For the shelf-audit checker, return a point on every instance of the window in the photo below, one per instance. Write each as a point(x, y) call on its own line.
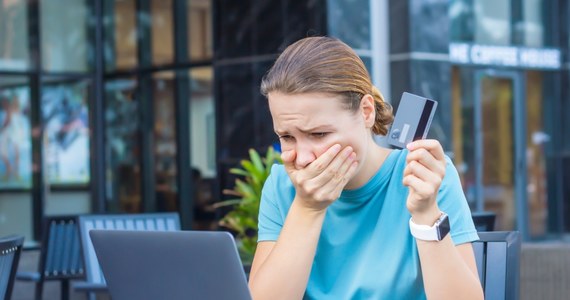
point(15, 133)
point(14, 35)
point(64, 35)
point(65, 114)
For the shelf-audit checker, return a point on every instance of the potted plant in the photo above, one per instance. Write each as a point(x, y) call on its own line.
point(242, 219)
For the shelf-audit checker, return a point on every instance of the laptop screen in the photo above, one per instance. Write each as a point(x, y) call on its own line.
point(170, 264)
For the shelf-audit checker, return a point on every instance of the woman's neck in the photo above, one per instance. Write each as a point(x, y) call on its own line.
point(369, 166)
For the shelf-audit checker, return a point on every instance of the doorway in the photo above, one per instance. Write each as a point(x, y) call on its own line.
point(501, 140)
point(500, 134)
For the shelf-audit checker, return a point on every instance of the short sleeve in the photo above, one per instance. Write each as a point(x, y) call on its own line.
point(452, 201)
point(270, 220)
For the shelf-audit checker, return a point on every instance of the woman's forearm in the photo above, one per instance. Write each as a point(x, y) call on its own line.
point(445, 273)
point(285, 272)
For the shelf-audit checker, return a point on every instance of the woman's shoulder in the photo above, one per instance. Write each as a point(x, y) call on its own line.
point(278, 172)
point(278, 187)
point(278, 177)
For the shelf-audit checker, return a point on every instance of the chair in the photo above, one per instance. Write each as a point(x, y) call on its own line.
point(95, 282)
point(10, 249)
point(497, 255)
point(484, 220)
point(60, 256)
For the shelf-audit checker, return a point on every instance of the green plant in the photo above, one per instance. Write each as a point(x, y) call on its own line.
point(242, 219)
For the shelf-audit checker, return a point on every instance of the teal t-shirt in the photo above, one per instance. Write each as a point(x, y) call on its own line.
point(365, 250)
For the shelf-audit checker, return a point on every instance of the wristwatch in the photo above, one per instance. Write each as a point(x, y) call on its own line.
point(431, 233)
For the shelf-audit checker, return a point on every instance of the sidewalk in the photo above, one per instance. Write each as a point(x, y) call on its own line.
point(545, 271)
point(25, 290)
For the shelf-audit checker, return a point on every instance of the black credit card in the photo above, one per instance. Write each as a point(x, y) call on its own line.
point(412, 121)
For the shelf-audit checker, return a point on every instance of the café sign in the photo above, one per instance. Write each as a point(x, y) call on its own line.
point(505, 56)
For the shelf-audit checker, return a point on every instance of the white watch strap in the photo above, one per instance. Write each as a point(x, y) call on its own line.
point(423, 232)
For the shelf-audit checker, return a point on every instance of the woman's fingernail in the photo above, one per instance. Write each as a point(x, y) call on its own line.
point(336, 148)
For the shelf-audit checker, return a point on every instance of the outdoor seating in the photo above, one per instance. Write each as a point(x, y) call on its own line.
point(484, 220)
point(498, 261)
point(10, 249)
point(60, 256)
point(95, 282)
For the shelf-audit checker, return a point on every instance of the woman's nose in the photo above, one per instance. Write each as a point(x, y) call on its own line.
point(304, 157)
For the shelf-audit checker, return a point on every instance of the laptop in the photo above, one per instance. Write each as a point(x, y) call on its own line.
point(170, 265)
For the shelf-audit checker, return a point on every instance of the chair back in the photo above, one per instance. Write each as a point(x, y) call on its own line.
point(61, 250)
point(155, 221)
point(484, 220)
point(10, 249)
point(497, 255)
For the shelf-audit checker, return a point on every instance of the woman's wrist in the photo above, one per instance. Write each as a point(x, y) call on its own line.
point(308, 210)
point(427, 217)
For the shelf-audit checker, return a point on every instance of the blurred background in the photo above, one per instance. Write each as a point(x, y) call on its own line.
point(129, 106)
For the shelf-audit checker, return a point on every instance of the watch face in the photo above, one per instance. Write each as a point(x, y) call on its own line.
point(443, 228)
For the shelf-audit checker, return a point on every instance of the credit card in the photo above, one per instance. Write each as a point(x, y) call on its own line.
point(412, 121)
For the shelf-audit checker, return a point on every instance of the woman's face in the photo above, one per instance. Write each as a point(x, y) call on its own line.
point(312, 123)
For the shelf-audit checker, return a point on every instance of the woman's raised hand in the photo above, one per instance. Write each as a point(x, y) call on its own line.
point(424, 172)
point(320, 183)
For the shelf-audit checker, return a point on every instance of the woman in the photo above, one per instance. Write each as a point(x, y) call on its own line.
point(335, 218)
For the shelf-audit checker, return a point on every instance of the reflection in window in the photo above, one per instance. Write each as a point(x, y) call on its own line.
point(162, 32)
point(14, 35)
point(203, 135)
point(120, 34)
point(64, 35)
point(15, 134)
point(66, 132)
point(122, 147)
point(463, 113)
point(200, 29)
point(350, 22)
point(492, 22)
point(165, 141)
point(538, 140)
point(531, 26)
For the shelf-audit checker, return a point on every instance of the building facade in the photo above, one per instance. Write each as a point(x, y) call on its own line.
point(144, 105)
point(499, 70)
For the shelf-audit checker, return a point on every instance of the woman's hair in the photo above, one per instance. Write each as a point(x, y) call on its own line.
point(326, 65)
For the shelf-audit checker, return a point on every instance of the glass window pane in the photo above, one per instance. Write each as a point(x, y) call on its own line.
point(463, 129)
point(350, 22)
point(64, 35)
point(538, 140)
point(16, 216)
point(65, 116)
point(203, 125)
point(492, 22)
point(200, 29)
point(120, 34)
point(15, 133)
point(162, 32)
point(498, 149)
point(461, 20)
point(165, 141)
point(122, 146)
point(14, 35)
point(203, 147)
point(532, 25)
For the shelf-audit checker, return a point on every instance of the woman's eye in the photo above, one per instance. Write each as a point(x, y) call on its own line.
point(285, 137)
point(319, 134)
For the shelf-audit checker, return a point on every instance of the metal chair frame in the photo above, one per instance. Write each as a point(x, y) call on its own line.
point(10, 250)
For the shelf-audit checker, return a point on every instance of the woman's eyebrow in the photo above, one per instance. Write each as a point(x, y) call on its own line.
point(305, 130)
point(316, 128)
point(279, 132)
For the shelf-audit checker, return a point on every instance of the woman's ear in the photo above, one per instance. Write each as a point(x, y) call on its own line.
point(368, 110)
